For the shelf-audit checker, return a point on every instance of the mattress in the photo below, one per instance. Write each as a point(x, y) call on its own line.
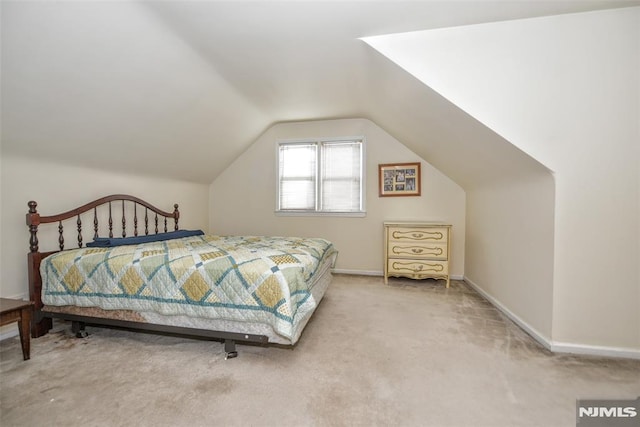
point(248, 284)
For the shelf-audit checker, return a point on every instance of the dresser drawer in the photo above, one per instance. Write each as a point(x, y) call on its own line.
point(406, 234)
point(418, 250)
point(417, 268)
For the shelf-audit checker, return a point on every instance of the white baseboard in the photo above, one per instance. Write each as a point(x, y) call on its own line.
point(517, 320)
point(595, 350)
point(554, 346)
point(375, 273)
point(9, 331)
point(358, 272)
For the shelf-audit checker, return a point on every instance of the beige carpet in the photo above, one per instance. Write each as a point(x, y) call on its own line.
point(407, 354)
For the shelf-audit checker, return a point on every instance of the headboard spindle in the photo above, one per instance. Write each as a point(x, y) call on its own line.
point(79, 231)
point(135, 219)
point(95, 223)
point(146, 221)
point(110, 222)
point(61, 236)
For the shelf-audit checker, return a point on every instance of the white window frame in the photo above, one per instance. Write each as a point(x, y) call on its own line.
point(318, 212)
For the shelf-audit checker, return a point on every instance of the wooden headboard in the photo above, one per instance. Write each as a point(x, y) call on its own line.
point(118, 205)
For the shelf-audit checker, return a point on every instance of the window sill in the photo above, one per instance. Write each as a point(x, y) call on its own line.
point(325, 214)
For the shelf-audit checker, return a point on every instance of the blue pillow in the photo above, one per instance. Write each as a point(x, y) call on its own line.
point(107, 242)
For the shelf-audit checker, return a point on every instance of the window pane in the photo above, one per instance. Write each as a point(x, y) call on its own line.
point(297, 195)
point(297, 164)
point(341, 176)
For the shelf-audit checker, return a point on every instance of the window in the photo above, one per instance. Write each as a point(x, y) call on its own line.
point(322, 176)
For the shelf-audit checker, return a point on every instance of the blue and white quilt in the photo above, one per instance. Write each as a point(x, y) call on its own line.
point(238, 278)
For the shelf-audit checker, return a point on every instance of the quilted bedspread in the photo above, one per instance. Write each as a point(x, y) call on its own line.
point(254, 279)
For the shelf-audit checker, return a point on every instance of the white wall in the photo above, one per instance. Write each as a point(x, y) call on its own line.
point(58, 188)
point(510, 247)
point(564, 89)
point(243, 197)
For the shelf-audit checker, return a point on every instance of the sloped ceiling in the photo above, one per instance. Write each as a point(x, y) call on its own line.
point(181, 89)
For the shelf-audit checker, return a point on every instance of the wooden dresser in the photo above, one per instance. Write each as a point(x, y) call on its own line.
point(418, 250)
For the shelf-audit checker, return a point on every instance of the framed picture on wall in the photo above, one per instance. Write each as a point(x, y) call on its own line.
point(399, 179)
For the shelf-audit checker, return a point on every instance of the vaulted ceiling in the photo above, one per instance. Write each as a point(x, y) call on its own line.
point(181, 89)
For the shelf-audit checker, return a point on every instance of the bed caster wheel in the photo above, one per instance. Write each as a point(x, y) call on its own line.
point(230, 349)
point(78, 329)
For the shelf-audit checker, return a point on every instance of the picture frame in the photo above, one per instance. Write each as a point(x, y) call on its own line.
point(399, 179)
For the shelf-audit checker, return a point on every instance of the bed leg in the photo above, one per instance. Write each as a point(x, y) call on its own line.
point(230, 349)
point(40, 328)
point(78, 329)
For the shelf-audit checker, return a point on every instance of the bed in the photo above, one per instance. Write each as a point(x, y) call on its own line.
point(156, 277)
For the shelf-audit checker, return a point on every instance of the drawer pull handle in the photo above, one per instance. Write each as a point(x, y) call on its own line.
point(417, 235)
point(417, 250)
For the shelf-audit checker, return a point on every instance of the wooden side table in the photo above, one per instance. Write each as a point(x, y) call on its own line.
point(12, 310)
